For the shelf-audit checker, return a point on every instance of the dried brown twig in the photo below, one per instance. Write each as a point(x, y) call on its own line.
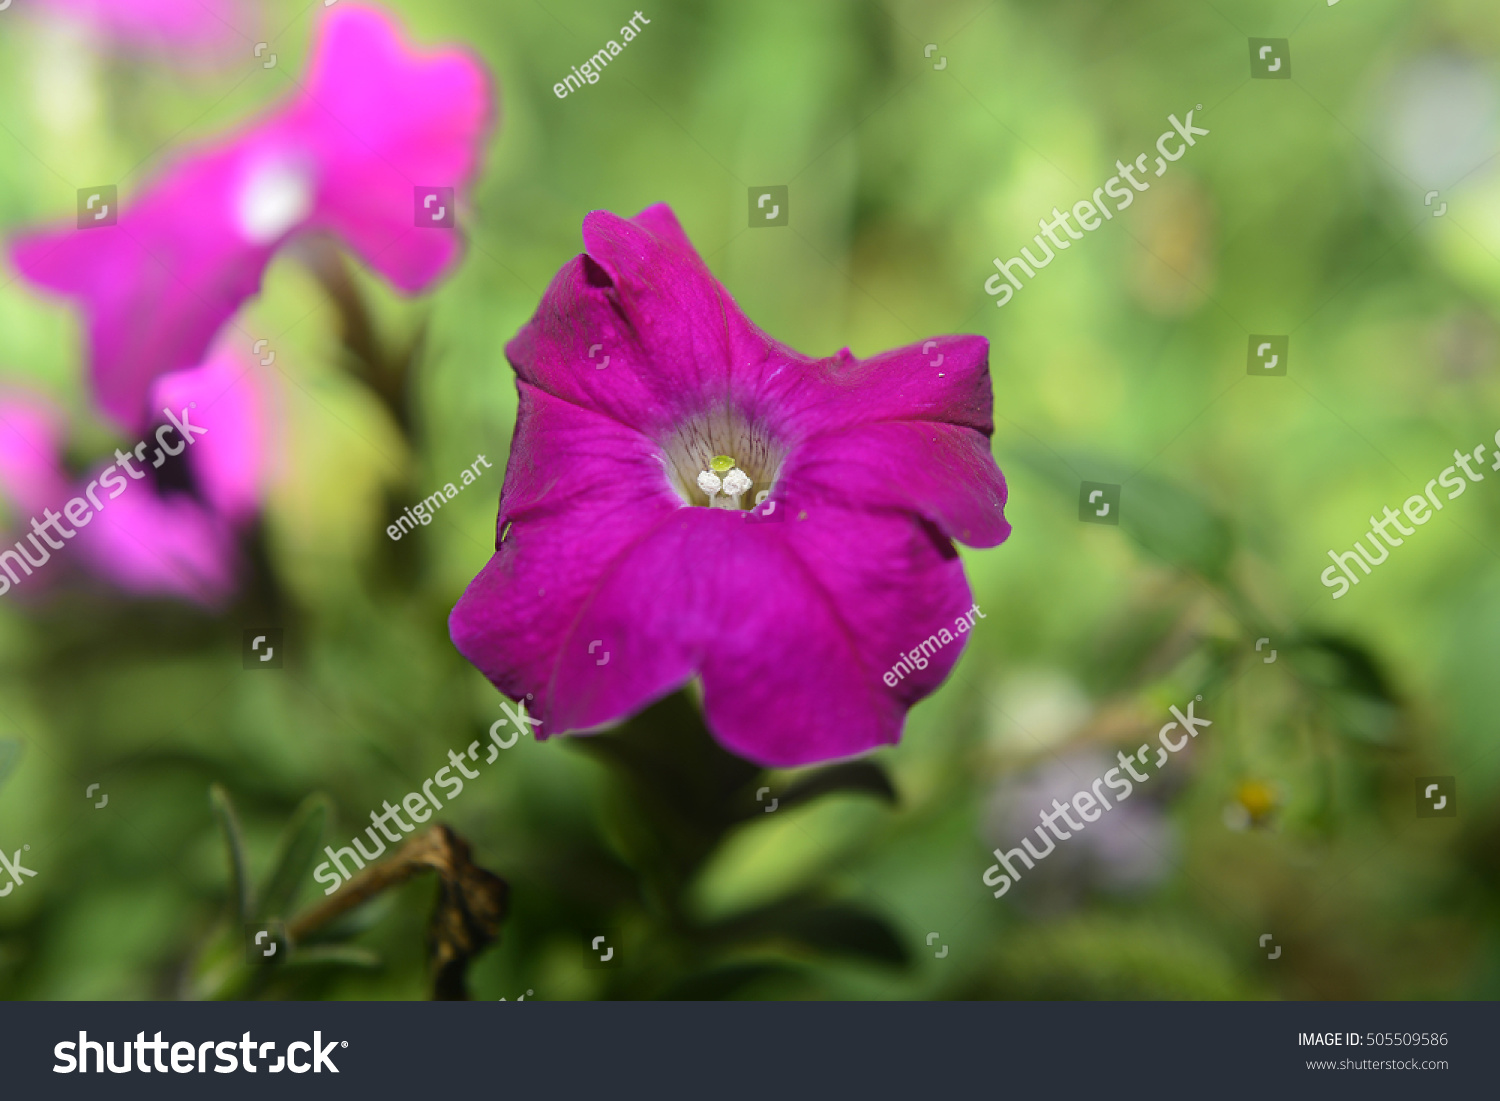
point(471, 906)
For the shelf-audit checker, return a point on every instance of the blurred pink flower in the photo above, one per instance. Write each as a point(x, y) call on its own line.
point(175, 534)
point(375, 122)
point(230, 463)
point(31, 432)
point(153, 545)
point(155, 23)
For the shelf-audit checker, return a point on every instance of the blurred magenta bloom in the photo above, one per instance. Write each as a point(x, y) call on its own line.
point(230, 464)
point(155, 23)
point(687, 497)
point(151, 544)
point(375, 122)
point(31, 433)
point(168, 525)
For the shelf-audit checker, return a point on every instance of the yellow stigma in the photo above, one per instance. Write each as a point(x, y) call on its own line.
point(722, 463)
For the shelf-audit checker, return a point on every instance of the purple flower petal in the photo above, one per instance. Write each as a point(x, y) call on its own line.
point(384, 120)
point(139, 541)
point(158, 285)
point(673, 338)
point(229, 461)
point(161, 546)
point(790, 629)
point(820, 611)
point(936, 470)
point(945, 380)
point(560, 528)
point(31, 473)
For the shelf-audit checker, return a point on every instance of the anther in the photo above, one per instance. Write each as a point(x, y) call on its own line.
point(710, 484)
point(736, 484)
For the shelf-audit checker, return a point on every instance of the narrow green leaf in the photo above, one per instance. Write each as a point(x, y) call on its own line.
point(1163, 518)
point(1351, 682)
point(831, 928)
point(10, 753)
point(852, 777)
point(294, 859)
point(229, 825)
point(336, 955)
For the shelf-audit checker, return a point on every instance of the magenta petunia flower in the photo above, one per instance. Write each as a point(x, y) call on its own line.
point(183, 24)
point(231, 463)
point(151, 544)
point(150, 523)
point(31, 432)
point(375, 123)
point(686, 498)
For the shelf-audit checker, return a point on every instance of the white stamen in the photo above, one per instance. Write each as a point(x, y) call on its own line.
point(710, 484)
point(736, 484)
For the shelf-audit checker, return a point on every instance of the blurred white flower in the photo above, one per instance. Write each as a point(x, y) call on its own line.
point(1441, 119)
point(64, 76)
point(1035, 710)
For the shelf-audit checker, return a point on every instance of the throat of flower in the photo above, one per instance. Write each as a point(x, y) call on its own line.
point(721, 458)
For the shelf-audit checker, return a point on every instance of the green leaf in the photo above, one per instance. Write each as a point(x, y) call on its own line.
point(1164, 519)
point(832, 928)
point(294, 859)
point(10, 753)
point(234, 840)
point(1339, 662)
point(859, 777)
point(1348, 678)
point(684, 788)
point(1176, 526)
point(335, 955)
point(728, 981)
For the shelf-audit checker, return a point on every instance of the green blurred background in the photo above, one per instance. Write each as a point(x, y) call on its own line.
point(1301, 213)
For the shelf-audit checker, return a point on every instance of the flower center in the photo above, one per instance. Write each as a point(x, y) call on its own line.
point(276, 197)
point(722, 461)
point(724, 492)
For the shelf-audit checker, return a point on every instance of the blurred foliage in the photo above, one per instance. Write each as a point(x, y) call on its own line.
point(1301, 213)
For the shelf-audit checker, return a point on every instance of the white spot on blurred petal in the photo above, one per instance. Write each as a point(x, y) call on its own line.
point(275, 198)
